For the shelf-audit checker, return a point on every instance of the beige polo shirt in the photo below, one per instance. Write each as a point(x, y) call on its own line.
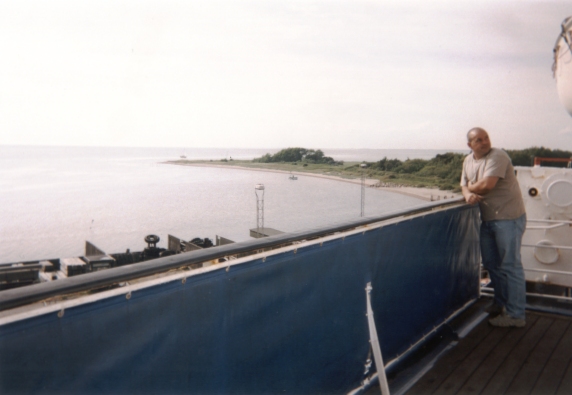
point(504, 201)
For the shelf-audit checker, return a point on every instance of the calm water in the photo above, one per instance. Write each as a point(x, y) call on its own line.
point(52, 199)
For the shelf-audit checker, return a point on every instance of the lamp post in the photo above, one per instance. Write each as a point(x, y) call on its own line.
point(259, 192)
point(363, 166)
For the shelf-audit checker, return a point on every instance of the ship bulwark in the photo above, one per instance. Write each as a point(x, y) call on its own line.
point(292, 320)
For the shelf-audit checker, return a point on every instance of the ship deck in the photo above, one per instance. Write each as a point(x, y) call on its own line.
point(536, 359)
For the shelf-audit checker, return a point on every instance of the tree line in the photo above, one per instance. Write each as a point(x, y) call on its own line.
point(443, 171)
point(298, 154)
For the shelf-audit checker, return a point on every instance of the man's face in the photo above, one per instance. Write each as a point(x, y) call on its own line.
point(479, 143)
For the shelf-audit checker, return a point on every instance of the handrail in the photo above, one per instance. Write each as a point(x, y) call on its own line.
point(548, 271)
point(554, 247)
point(557, 224)
point(547, 227)
point(29, 294)
point(554, 221)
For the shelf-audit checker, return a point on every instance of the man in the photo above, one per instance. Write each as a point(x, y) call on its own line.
point(488, 179)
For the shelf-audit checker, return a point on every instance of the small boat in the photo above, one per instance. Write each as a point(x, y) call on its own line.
point(292, 177)
point(183, 156)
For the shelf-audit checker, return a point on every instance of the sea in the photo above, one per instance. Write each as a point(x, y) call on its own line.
point(53, 199)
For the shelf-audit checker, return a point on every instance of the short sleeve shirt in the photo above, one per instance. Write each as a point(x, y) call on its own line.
point(504, 201)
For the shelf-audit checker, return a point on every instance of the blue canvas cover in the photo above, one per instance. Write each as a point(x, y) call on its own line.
point(294, 323)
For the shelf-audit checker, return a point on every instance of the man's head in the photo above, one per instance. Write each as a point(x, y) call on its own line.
point(478, 141)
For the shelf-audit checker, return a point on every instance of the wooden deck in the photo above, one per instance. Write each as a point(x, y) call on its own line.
point(536, 359)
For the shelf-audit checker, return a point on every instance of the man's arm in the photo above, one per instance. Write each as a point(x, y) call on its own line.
point(483, 186)
point(470, 197)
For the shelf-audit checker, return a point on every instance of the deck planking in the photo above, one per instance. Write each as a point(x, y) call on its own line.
point(536, 359)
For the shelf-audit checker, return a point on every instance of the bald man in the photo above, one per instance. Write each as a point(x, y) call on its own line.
point(488, 179)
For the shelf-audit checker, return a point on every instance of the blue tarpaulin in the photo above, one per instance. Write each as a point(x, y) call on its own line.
point(293, 323)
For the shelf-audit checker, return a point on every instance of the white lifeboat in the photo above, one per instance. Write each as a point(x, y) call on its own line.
point(563, 64)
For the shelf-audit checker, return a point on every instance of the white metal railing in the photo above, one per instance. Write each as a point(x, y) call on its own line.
point(490, 292)
point(556, 224)
point(548, 271)
point(547, 246)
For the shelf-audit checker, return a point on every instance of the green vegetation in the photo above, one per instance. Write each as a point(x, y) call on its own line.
point(526, 156)
point(442, 171)
point(298, 154)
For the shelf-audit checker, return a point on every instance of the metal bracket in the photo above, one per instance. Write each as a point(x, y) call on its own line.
point(375, 345)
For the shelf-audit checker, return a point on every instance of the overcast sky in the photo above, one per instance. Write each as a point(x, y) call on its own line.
point(273, 74)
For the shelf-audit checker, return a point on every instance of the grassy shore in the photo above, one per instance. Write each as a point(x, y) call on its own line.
point(442, 172)
point(350, 171)
point(338, 171)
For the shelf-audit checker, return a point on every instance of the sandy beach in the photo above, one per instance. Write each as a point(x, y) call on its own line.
point(427, 194)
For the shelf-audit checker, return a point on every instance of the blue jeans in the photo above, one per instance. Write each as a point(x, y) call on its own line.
point(500, 251)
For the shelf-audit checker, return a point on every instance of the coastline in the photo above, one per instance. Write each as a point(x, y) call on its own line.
point(427, 194)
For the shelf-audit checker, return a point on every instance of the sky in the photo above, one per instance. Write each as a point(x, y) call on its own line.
point(274, 74)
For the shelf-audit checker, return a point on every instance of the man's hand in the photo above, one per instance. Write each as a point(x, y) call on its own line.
point(471, 197)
